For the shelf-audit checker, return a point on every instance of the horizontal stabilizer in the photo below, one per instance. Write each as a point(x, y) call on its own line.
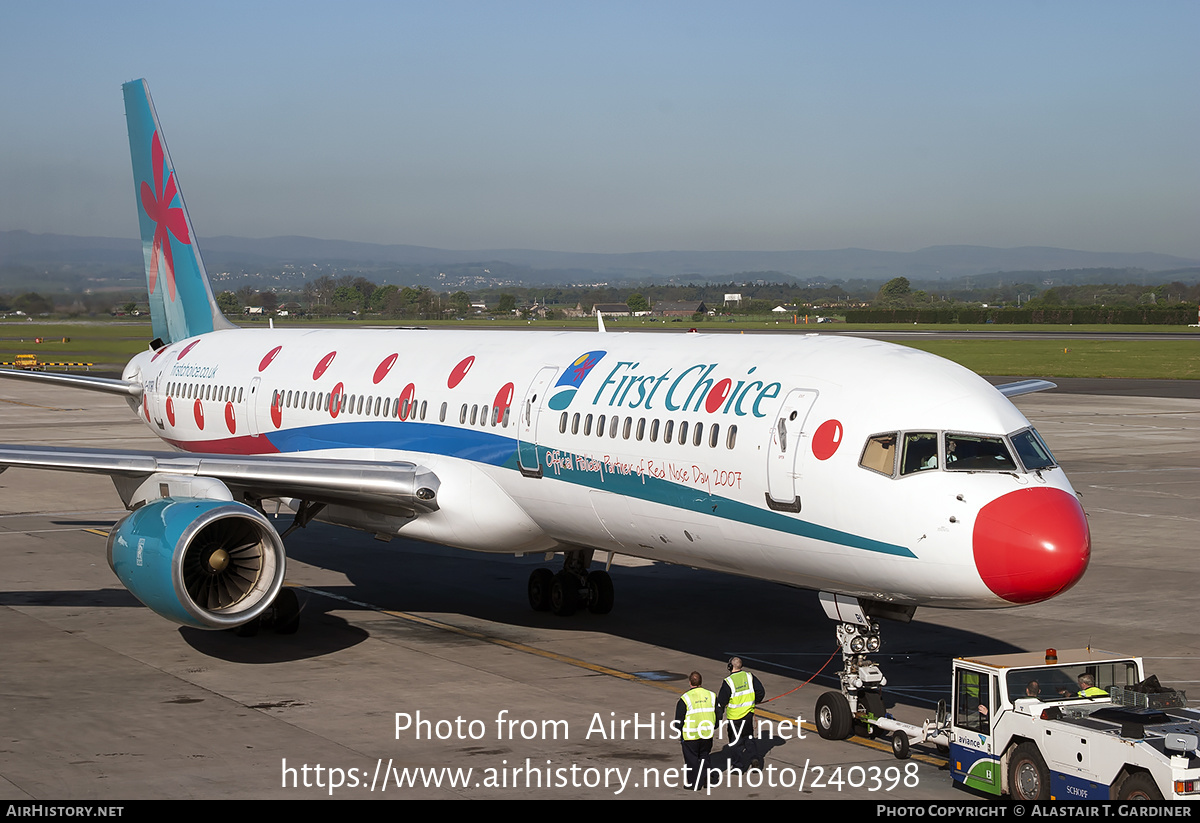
point(108, 385)
point(1025, 387)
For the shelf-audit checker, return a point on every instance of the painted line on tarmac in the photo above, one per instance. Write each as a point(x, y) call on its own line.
point(591, 667)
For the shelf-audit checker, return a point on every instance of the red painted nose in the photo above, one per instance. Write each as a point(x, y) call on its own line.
point(1032, 544)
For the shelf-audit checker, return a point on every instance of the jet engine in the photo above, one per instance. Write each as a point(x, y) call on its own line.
point(210, 564)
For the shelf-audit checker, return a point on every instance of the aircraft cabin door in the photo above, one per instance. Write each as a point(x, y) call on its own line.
point(527, 420)
point(787, 436)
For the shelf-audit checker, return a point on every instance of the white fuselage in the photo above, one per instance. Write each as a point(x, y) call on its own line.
point(519, 427)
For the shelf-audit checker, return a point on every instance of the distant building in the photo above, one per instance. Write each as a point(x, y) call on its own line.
point(611, 309)
point(681, 309)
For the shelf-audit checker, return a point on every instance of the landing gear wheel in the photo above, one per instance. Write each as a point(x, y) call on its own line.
point(1028, 777)
point(1139, 786)
point(564, 594)
point(600, 592)
point(900, 745)
point(248, 629)
point(540, 582)
point(287, 612)
point(835, 721)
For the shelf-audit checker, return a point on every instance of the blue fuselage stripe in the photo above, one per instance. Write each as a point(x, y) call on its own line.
point(499, 450)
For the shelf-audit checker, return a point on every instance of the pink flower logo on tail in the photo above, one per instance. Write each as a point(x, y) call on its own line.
point(157, 203)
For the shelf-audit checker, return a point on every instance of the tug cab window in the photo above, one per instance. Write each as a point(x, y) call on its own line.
point(920, 452)
point(972, 452)
point(879, 455)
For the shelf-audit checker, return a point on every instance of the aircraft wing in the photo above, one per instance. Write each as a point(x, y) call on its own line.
point(108, 385)
point(1024, 387)
point(391, 488)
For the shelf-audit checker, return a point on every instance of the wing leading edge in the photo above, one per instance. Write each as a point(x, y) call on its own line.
point(390, 488)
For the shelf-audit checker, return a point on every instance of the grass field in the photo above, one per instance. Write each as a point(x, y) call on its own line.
point(110, 344)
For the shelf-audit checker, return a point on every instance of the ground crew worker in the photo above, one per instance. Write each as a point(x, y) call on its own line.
point(739, 694)
point(1088, 687)
point(696, 717)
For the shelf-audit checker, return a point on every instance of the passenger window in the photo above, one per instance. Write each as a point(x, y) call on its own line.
point(879, 455)
point(613, 422)
point(562, 424)
point(654, 430)
point(600, 421)
point(628, 426)
point(575, 424)
point(970, 452)
point(714, 434)
point(698, 434)
point(462, 415)
point(920, 452)
point(683, 433)
point(667, 429)
point(442, 413)
point(641, 428)
point(731, 437)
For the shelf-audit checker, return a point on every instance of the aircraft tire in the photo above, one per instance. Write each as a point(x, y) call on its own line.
point(1028, 777)
point(835, 721)
point(563, 595)
point(900, 747)
point(600, 592)
point(287, 611)
point(540, 581)
point(1139, 786)
point(249, 629)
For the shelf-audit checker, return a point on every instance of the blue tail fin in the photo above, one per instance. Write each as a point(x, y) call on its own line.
point(181, 300)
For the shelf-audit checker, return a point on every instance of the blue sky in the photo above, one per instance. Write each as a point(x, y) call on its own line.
point(615, 126)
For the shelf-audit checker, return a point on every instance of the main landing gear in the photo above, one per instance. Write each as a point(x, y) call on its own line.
point(572, 588)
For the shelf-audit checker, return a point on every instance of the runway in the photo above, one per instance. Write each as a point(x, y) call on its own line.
point(102, 699)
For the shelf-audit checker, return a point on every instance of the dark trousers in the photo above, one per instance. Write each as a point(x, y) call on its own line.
point(695, 763)
point(742, 747)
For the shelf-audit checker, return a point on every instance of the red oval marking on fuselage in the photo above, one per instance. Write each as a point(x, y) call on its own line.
point(268, 357)
point(230, 418)
point(187, 349)
point(503, 400)
point(323, 365)
point(198, 413)
point(460, 371)
point(277, 410)
point(335, 400)
point(826, 439)
point(383, 368)
point(170, 412)
point(404, 399)
point(717, 396)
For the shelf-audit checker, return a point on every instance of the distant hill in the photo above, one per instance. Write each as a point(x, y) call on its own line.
point(279, 257)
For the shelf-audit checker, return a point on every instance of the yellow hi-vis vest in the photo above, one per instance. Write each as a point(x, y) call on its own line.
point(701, 720)
point(741, 695)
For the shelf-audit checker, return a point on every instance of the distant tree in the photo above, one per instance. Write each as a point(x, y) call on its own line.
point(637, 303)
point(460, 301)
point(895, 292)
point(228, 303)
point(507, 304)
point(33, 303)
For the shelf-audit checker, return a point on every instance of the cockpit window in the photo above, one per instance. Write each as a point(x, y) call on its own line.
point(880, 454)
point(920, 452)
point(1032, 450)
point(972, 452)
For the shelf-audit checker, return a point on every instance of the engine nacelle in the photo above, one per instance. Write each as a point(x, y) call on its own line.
point(210, 564)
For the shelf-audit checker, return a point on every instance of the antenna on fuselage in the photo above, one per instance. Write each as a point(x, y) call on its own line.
point(600, 321)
